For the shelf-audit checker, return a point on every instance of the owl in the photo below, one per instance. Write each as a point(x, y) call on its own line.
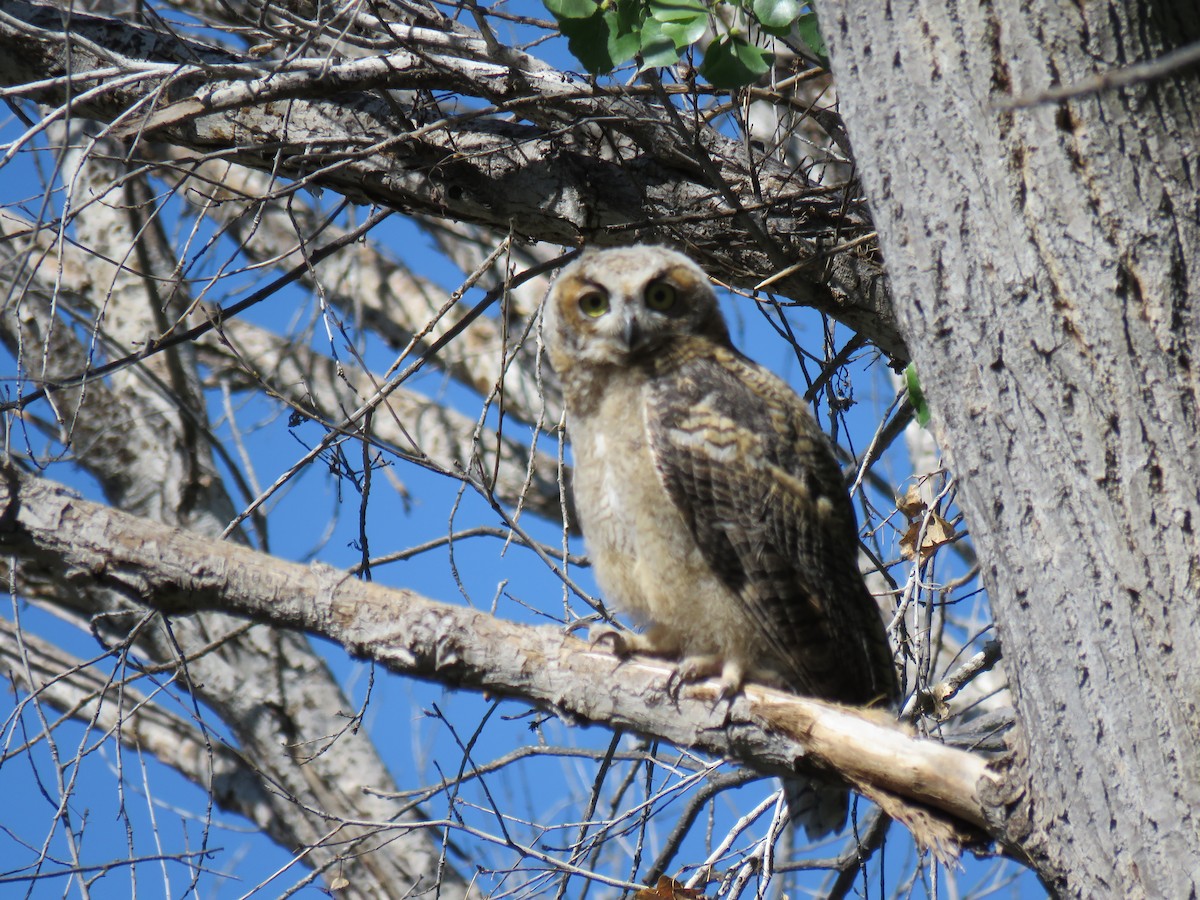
point(711, 504)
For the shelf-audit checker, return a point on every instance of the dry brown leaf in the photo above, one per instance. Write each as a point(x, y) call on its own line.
point(937, 532)
point(668, 889)
point(911, 503)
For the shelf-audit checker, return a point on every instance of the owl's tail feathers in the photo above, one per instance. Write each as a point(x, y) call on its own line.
point(819, 808)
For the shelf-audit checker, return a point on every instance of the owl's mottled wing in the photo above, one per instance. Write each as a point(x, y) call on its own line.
point(752, 474)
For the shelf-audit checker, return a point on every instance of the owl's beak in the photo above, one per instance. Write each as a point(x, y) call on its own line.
point(631, 333)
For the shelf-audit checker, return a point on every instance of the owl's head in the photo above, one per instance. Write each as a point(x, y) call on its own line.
point(616, 307)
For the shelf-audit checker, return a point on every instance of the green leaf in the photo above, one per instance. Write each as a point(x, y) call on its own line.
point(810, 33)
point(624, 19)
point(732, 63)
point(625, 16)
point(658, 47)
point(672, 26)
point(605, 39)
point(916, 397)
point(776, 14)
point(678, 10)
point(588, 41)
point(684, 34)
point(572, 9)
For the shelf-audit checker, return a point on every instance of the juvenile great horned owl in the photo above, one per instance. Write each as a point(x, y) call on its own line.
point(711, 504)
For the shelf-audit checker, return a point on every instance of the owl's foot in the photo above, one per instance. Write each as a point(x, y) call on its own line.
point(622, 643)
point(605, 634)
point(654, 641)
point(697, 668)
point(733, 676)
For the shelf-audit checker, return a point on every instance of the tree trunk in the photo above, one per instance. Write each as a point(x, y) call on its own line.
point(1042, 262)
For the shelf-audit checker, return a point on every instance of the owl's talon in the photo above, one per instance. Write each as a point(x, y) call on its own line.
point(697, 668)
point(618, 642)
point(726, 691)
point(675, 682)
point(733, 676)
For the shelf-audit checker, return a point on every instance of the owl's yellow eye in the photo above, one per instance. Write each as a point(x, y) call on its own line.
point(594, 304)
point(660, 296)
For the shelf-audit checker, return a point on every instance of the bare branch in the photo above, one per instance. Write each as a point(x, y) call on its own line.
point(1111, 79)
point(372, 290)
point(77, 690)
point(180, 573)
point(549, 180)
point(413, 425)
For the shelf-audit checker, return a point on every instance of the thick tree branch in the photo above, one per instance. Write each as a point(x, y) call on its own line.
point(49, 530)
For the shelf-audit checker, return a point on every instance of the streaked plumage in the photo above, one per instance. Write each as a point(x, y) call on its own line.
point(712, 506)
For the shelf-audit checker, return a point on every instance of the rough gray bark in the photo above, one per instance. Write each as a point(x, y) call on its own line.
point(1043, 260)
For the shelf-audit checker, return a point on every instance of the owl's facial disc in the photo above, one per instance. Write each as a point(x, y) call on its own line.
point(620, 307)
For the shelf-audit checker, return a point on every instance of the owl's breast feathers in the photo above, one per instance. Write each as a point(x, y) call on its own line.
point(754, 478)
point(643, 551)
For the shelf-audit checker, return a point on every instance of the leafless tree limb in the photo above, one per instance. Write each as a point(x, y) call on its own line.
point(320, 121)
point(44, 526)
